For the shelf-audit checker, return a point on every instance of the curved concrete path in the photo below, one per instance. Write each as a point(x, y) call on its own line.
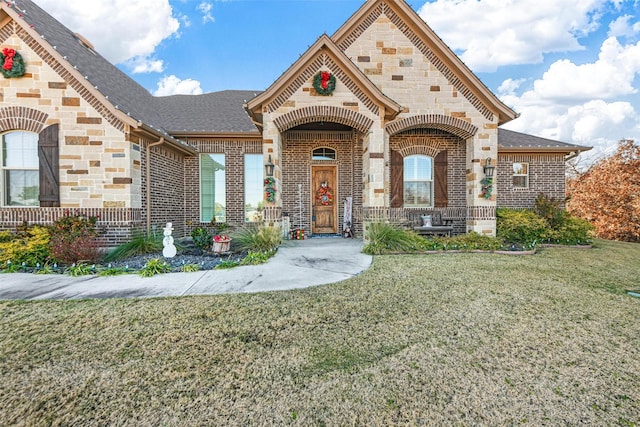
point(298, 264)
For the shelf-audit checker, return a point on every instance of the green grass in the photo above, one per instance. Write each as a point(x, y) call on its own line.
point(445, 339)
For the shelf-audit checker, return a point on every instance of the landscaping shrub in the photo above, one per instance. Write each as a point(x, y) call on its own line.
point(74, 238)
point(155, 266)
point(29, 245)
point(551, 210)
point(257, 238)
point(140, 244)
point(202, 239)
point(527, 228)
point(256, 258)
point(385, 238)
point(572, 231)
point(464, 242)
point(521, 227)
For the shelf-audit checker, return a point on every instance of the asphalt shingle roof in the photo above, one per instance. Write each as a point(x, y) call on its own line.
point(212, 112)
point(512, 139)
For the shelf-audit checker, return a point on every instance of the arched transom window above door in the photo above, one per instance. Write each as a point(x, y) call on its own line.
point(323, 153)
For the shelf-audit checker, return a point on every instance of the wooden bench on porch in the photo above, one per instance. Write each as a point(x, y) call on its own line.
point(431, 224)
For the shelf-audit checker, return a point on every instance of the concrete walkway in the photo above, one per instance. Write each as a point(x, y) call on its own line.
point(298, 264)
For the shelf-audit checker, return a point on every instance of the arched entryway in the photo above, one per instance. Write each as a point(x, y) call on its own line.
point(322, 163)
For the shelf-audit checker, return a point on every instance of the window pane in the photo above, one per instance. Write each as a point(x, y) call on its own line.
point(20, 150)
point(418, 181)
point(417, 193)
point(212, 188)
point(22, 188)
point(253, 184)
point(521, 181)
point(323, 154)
point(520, 168)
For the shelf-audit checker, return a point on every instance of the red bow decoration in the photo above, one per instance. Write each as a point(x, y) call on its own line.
point(8, 58)
point(325, 76)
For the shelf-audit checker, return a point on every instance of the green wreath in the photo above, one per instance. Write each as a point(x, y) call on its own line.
point(324, 83)
point(12, 63)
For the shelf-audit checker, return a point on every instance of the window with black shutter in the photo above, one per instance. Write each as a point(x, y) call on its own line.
point(48, 153)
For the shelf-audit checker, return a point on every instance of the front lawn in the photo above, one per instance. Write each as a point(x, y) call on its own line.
point(445, 339)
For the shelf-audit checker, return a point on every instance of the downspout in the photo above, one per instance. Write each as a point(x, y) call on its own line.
point(148, 178)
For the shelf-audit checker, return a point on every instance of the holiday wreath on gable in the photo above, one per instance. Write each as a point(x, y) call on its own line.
point(324, 83)
point(12, 63)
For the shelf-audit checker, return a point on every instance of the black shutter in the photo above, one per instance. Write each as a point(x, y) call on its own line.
point(397, 180)
point(440, 178)
point(49, 167)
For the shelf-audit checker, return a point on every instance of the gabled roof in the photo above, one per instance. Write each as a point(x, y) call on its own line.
point(511, 141)
point(408, 21)
point(324, 45)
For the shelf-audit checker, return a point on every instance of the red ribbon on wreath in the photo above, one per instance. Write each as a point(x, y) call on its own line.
point(325, 76)
point(8, 58)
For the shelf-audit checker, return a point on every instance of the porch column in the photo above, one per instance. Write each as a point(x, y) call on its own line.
point(481, 208)
point(373, 167)
point(272, 146)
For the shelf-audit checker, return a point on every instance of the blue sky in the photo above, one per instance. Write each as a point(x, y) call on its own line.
point(570, 68)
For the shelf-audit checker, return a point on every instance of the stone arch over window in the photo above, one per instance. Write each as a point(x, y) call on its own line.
point(22, 118)
point(327, 113)
point(452, 125)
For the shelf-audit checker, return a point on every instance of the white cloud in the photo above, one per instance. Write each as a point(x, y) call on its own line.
point(172, 85)
point(612, 75)
point(119, 29)
point(623, 27)
point(205, 8)
point(507, 32)
point(140, 65)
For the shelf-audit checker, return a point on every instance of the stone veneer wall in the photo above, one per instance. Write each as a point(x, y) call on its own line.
point(296, 169)
point(99, 172)
point(97, 163)
point(234, 151)
point(546, 175)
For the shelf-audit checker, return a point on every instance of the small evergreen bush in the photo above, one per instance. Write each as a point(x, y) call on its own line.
point(521, 227)
point(202, 239)
point(29, 245)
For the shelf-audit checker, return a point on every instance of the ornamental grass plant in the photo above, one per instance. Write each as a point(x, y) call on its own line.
point(257, 238)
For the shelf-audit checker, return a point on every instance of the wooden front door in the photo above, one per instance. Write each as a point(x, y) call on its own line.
point(325, 211)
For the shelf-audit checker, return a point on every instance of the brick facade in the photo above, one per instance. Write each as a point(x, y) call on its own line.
point(546, 175)
point(234, 151)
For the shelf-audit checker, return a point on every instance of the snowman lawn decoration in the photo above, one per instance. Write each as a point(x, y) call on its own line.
point(169, 250)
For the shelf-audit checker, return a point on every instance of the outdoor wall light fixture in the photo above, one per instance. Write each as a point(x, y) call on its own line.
point(269, 166)
point(489, 168)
